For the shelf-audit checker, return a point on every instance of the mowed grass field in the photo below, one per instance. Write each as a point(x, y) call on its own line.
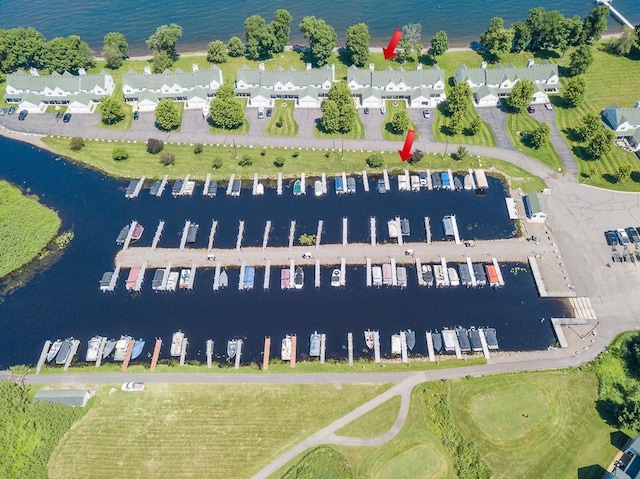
point(387, 130)
point(283, 116)
point(188, 431)
point(375, 422)
point(523, 123)
point(442, 133)
point(26, 227)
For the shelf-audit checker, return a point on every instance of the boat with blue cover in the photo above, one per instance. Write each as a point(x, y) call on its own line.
point(297, 188)
point(249, 275)
point(314, 345)
point(137, 348)
point(339, 185)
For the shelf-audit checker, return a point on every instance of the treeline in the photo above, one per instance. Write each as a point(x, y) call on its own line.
point(29, 432)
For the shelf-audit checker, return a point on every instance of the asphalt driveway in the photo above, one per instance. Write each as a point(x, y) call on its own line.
point(542, 114)
point(373, 123)
point(306, 118)
point(423, 125)
point(496, 119)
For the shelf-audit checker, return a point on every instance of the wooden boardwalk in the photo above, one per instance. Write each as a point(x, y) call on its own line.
point(127, 356)
point(156, 355)
point(266, 353)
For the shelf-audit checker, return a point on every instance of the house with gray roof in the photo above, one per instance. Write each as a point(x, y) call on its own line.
point(262, 87)
point(79, 93)
point(68, 397)
point(628, 466)
point(490, 84)
point(194, 88)
point(419, 88)
point(534, 207)
point(625, 123)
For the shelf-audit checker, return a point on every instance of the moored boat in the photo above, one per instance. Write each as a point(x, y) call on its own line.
point(463, 339)
point(92, 348)
point(172, 281)
point(396, 347)
point(369, 337)
point(435, 180)
point(457, 184)
point(297, 188)
point(53, 350)
point(405, 229)
point(155, 187)
point(376, 276)
point(121, 348)
point(448, 339)
point(493, 276)
point(314, 345)
point(132, 279)
point(176, 343)
point(260, 189)
point(223, 281)
point(158, 276)
point(335, 278)
point(386, 274)
point(177, 188)
point(249, 276)
point(380, 186)
point(474, 338)
point(298, 278)
point(447, 225)
point(468, 183)
point(137, 233)
point(437, 341)
point(401, 274)
point(422, 177)
point(491, 337)
point(317, 188)
point(185, 274)
point(481, 277)
point(444, 179)
point(427, 275)
point(410, 336)
point(232, 348)
point(339, 185)
point(213, 188)
point(192, 233)
point(108, 348)
point(351, 185)
point(465, 275)
point(438, 274)
point(415, 183)
point(137, 348)
point(64, 351)
point(454, 280)
point(285, 349)
point(392, 226)
point(285, 278)
point(123, 235)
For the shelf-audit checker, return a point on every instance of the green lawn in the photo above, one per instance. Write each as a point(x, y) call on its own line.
point(199, 430)
point(442, 133)
point(357, 133)
point(27, 227)
point(241, 130)
point(125, 123)
point(387, 131)
point(283, 116)
point(519, 123)
point(375, 422)
point(534, 425)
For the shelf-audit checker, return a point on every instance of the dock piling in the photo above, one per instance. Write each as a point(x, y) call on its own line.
point(350, 347)
point(209, 352)
point(294, 344)
point(266, 353)
point(156, 355)
point(43, 355)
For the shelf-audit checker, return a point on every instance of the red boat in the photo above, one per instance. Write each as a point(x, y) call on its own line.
point(137, 233)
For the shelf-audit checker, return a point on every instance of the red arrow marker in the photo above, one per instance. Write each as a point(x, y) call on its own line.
point(390, 51)
point(405, 153)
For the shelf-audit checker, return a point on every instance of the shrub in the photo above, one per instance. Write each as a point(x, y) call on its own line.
point(167, 159)
point(120, 154)
point(295, 154)
point(375, 160)
point(197, 148)
point(417, 156)
point(279, 162)
point(263, 153)
point(217, 163)
point(245, 161)
point(76, 143)
point(154, 146)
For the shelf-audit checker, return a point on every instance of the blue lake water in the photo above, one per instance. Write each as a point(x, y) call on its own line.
point(207, 20)
point(65, 300)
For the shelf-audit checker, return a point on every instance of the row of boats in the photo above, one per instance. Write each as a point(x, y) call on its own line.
point(437, 275)
point(445, 341)
point(61, 349)
point(192, 233)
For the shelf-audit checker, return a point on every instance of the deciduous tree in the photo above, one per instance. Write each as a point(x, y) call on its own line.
point(260, 38)
point(165, 40)
point(521, 95)
point(623, 45)
point(521, 37)
point(540, 136)
point(595, 23)
point(111, 110)
point(115, 49)
point(575, 90)
point(439, 44)
point(496, 40)
point(236, 47)
point(161, 61)
point(600, 143)
point(357, 44)
point(216, 52)
point(322, 38)
point(225, 110)
point(580, 60)
point(281, 28)
point(167, 115)
point(67, 54)
point(338, 111)
point(375, 160)
point(459, 99)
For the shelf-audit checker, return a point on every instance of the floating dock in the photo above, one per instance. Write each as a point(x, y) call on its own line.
point(294, 345)
point(324, 183)
point(344, 231)
point(157, 236)
point(212, 234)
point(240, 235)
point(266, 353)
point(394, 272)
point(238, 353)
point(429, 182)
point(319, 233)
point(114, 278)
point(279, 185)
point(163, 185)
point(317, 274)
point(129, 235)
point(368, 272)
point(292, 269)
point(265, 237)
point(399, 229)
point(43, 355)
point(350, 348)
point(254, 190)
point(498, 271)
point(376, 346)
point(209, 352)
point(445, 271)
point(243, 266)
point(230, 185)
point(103, 343)
point(323, 347)
point(450, 175)
point(140, 278)
point(183, 351)
point(292, 232)
point(385, 176)
point(485, 347)
point(473, 180)
point(156, 355)
point(207, 180)
point(456, 345)
point(133, 193)
point(403, 347)
point(419, 272)
point(185, 233)
point(165, 277)
point(303, 186)
point(343, 272)
point(616, 14)
point(75, 344)
point(267, 275)
point(344, 183)
point(372, 222)
point(365, 181)
point(216, 276)
point(472, 274)
point(127, 356)
point(192, 276)
point(427, 228)
point(456, 234)
point(432, 356)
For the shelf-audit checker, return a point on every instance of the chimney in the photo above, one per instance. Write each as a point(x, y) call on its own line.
point(530, 62)
point(372, 67)
point(308, 66)
point(261, 67)
point(483, 65)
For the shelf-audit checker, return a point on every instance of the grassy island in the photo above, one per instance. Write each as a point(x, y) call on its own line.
point(26, 227)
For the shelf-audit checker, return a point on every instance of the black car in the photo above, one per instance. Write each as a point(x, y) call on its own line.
point(66, 117)
point(269, 112)
point(22, 115)
point(12, 110)
point(366, 111)
point(136, 115)
point(611, 237)
point(633, 234)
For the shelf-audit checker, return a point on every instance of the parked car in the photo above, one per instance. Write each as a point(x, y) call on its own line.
point(426, 113)
point(136, 115)
point(66, 117)
point(633, 234)
point(531, 109)
point(12, 110)
point(366, 110)
point(23, 114)
point(260, 113)
point(3, 111)
point(611, 237)
point(383, 110)
point(623, 238)
point(269, 112)
point(133, 386)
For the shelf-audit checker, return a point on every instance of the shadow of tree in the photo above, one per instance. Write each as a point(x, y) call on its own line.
point(558, 101)
point(609, 178)
point(546, 54)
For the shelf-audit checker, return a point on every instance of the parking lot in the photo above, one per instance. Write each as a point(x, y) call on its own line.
point(624, 243)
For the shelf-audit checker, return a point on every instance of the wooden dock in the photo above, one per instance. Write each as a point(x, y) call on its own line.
point(400, 239)
point(267, 275)
point(473, 179)
point(372, 225)
point(432, 356)
point(140, 278)
point(158, 234)
point(403, 347)
point(165, 277)
point(279, 185)
point(230, 185)
point(265, 236)
point(254, 190)
point(163, 185)
point(429, 182)
point(324, 183)
point(368, 272)
point(75, 344)
point(323, 347)
point(456, 345)
point(240, 235)
point(294, 345)
point(472, 274)
point(427, 228)
point(209, 352)
point(266, 353)
point(303, 186)
point(394, 273)
point(212, 234)
point(344, 183)
point(183, 351)
point(419, 272)
point(207, 181)
point(43, 355)
point(192, 276)
point(365, 181)
point(243, 266)
point(317, 274)
point(456, 234)
point(445, 271)
point(129, 235)
point(385, 176)
point(498, 271)
point(292, 268)
point(185, 233)
point(319, 233)
point(376, 346)
point(127, 356)
point(238, 353)
point(156, 355)
point(103, 343)
point(617, 15)
point(485, 347)
point(344, 231)
point(343, 272)
point(350, 348)
point(136, 190)
point(216, 276)
point(450, 175)
point(292, 232)
point(114, 279)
